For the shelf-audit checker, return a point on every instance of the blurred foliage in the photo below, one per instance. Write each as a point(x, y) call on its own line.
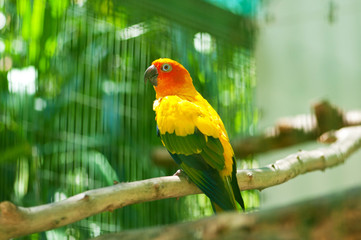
point(75, 114)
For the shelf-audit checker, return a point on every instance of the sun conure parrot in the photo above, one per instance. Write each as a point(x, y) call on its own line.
point(194, 134)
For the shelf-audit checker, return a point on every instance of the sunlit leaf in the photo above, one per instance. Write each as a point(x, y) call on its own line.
point(37, 18)
point(21, 184)
point(58, 8)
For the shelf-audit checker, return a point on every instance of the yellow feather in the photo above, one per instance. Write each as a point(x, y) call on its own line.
point(182, 114)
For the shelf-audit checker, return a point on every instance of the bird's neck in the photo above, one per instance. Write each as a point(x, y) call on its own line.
point(188, 92)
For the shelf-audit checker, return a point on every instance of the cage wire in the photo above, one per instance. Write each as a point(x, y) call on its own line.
point(76, 114)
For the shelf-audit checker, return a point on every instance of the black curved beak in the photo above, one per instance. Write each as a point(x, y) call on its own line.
point(151, 74)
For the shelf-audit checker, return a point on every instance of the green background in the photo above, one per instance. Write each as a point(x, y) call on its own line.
point(75, 113)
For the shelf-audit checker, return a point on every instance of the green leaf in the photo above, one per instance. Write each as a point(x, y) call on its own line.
point(58, 8)
point(15, 152)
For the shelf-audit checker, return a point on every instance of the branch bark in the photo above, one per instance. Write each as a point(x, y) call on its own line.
point(331, 217)
point(287, 131)
point(19, 221)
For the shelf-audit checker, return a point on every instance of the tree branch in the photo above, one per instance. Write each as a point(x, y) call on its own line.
point(19, 221)
point(330, 217)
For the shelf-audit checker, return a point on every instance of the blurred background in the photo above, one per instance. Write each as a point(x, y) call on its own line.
point(307, 51)
point(75, 113)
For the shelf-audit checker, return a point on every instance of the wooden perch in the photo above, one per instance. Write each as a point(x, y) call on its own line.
point(287, 132)
point(331, 217)
point(19, 221)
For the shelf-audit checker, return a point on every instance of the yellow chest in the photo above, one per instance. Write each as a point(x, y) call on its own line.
point(182, 116)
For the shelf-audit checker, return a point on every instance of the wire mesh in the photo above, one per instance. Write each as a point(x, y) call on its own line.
point(76, 115)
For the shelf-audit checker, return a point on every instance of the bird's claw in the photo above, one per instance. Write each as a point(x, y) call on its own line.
point(180, 173)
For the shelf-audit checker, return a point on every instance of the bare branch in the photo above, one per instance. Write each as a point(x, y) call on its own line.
point(347, 141)
point(289, 131)
point(330, 217)
point(19, 221)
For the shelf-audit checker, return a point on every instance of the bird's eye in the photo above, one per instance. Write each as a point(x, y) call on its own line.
point(166, 67)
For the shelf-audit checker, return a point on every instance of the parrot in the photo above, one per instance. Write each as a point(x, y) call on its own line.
point(194, 134)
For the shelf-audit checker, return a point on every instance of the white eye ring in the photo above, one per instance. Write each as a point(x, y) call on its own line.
point(166, 67)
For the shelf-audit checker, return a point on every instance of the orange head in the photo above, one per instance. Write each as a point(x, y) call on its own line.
point(169, 78)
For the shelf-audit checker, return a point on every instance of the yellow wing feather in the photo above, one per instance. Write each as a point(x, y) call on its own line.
point(181, 115)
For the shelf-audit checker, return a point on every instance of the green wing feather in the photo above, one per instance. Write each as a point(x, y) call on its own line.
point(201, 158)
